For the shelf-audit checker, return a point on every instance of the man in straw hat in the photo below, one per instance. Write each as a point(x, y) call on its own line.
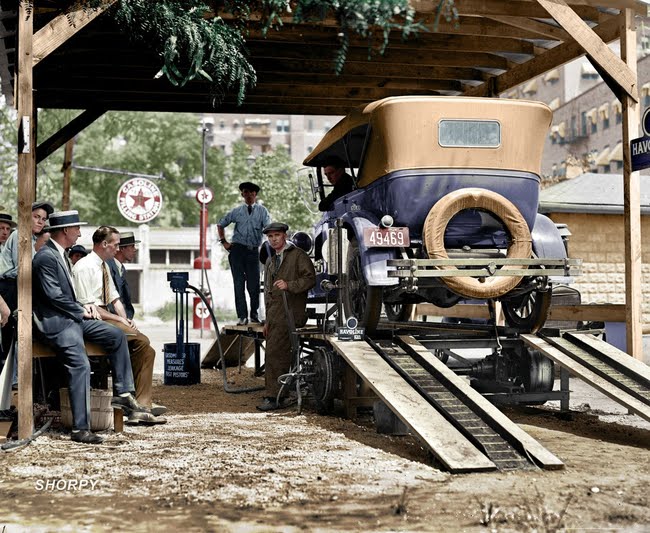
point(64, 324)
point(249, 219)
point(94, 285)
point(125, 254)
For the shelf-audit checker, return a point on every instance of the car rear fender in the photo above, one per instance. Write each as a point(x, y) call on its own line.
point(548, 243)
point(373, 260)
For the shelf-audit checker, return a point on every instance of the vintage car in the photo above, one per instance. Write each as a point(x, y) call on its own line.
point(443, 209)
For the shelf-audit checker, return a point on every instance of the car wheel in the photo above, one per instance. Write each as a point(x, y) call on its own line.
point(538, 373)
point(360, 300)
point(527, 313)
point(398, 312)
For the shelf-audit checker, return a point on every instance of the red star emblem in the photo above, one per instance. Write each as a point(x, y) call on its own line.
point(139, 199)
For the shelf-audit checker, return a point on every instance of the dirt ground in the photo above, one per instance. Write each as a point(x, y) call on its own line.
point(220, 465)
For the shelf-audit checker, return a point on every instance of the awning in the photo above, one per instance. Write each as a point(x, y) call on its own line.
point(561, 129)
point(617, 107)
point(554, 104)
point(592, 115)
point(587, 69)
point(552, 75)
point(617, 153)
point(602, 159)
point(603, 111)
point(645, 89)
point(531, 87)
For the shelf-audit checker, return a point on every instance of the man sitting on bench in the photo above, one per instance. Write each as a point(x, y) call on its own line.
point(63, 323)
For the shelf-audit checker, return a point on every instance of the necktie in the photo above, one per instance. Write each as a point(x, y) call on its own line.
point(250, 209)
point(123, 272)
point(68, 263)
point(105, 283)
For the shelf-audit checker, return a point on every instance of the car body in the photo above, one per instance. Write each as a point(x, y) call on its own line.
point(444, 209)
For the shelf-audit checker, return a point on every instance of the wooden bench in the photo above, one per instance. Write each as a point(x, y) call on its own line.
point(93, 350)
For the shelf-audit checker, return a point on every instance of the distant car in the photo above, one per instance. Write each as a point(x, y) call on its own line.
point(443, 210)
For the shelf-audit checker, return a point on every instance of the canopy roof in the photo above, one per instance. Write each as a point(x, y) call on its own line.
point(495, 45)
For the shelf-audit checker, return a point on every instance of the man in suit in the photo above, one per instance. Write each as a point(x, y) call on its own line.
point(93, 285)
point(125, 254)
point(64, 324)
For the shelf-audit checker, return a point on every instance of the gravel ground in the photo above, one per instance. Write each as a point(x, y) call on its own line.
point(220, 465)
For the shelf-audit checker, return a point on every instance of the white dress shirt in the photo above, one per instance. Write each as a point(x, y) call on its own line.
point(88, 281)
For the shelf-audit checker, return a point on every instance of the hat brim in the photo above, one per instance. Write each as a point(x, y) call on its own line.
point(68, 225)
point(129, 243)
point(11, 223)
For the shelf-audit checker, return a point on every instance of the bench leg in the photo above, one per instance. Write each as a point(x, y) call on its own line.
point(118, 420)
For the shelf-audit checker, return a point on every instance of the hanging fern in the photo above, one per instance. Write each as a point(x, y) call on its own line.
point(193, 43)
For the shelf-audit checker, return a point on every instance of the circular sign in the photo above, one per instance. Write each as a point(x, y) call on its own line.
point(139, 200)
point(204, 195)
point(645, 123)
point(352, 322)
point(201, 311)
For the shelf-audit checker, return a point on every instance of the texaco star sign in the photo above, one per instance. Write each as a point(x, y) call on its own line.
point(139, 200)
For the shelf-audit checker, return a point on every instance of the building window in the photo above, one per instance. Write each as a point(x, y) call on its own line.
point(605, 123)
point(158, 257)
point(310, 149)
point(282, 126)
point(310, 125)
point(594, 127)
point(327, 126)
point(180, 257)
point(619, 117)
point(583, 121)
point(619, 165)
point(222, 124)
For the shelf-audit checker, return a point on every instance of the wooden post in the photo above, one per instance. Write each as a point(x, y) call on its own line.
point(631, 197)
point(67, 170)
point(26, 188)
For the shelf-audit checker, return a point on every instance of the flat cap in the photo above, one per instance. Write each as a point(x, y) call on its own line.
point(249, 186)
point(275, 226)
point(7, 219)
point(43, 205)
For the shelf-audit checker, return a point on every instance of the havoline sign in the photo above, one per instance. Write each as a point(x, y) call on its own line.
point(640, 148)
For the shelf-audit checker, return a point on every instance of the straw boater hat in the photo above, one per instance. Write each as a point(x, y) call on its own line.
point(7, 219)
point(65, 219)
point(127, 238)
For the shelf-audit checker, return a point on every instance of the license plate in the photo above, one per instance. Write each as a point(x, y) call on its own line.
point(386, 237)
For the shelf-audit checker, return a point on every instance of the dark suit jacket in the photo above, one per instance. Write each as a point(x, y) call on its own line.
point(54, 301)
point(123, 288)
point(343, 187)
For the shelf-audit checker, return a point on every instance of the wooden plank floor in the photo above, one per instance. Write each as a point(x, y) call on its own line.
point(446, 443)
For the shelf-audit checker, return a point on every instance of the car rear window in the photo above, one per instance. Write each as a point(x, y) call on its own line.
point(469, 133)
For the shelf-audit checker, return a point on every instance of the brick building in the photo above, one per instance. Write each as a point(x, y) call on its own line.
point(592, 207)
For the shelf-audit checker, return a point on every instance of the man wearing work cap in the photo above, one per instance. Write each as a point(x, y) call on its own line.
point(125, 254)
point(249, 219)
point(6, 225)
point(9, 266)
point(77, 252)
point(288, 275)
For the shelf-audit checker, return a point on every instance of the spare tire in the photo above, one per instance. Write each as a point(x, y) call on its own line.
point(473, 198)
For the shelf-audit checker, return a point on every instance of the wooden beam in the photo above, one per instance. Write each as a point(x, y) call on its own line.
point(631, 197)
point(67, 132)
point(607, 31)
point(64, 26)
point(26, 192)
point(593, 45)
point(542, 29)
point(516, 8)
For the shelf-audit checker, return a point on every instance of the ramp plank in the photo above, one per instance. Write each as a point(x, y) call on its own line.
point(444, 440)
point(588, 376)
point(542, 456)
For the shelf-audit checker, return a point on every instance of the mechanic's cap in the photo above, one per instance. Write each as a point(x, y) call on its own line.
point(249, 186)
point(275, 226)
point(43, 205)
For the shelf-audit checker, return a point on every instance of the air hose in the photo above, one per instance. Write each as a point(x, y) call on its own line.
point(224, 373)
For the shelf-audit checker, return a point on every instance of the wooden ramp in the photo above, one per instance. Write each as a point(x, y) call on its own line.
point(609, 370)
point(446, 443)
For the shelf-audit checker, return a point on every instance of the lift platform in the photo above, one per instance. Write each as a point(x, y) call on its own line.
point(462, 429)
point(609, 370)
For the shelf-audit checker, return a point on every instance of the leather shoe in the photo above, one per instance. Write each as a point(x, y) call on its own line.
point(128, 404)
point(138, 418)
point(269, 404)
point(157, 409)
point(86, 437)
point(255, 320)
point(242, 322)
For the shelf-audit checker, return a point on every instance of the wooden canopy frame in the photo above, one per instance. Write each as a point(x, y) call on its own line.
point(64, 57)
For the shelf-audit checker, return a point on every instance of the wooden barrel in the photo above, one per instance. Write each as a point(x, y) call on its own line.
point(101, 412)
